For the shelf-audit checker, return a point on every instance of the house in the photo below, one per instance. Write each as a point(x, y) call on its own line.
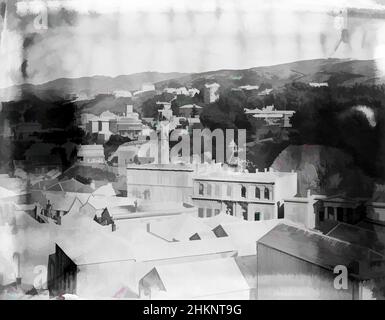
point(122, 93)
point(188, 109)
point(27, 131)
point(40, 158)
point(81, 259)
point(211, 93)
point(265, 92)
point(318, 84)
point(302, 210)
point(272, 116)
point(78, 269)
point(251, 196)
point(216, 279)
point(91, 154)
point(295, 263)
point(331, 210)
point(165, 111)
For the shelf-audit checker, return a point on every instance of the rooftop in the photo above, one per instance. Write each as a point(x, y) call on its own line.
point(263, 177)
point(359, 236)
point(321, 250)
point(202, 278)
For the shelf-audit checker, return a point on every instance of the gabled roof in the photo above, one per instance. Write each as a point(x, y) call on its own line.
point(321, 250)
point(95, 247)
point(71, 185)
point(201, 278)
point(106, 190)
point(245, 234)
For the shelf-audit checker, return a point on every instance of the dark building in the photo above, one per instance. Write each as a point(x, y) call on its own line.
point(295, 263)
point(61, 273)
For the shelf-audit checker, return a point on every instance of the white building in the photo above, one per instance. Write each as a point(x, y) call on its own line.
point(251, 196)
point(92, 153)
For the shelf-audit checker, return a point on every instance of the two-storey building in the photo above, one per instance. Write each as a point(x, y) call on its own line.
point(252, 196)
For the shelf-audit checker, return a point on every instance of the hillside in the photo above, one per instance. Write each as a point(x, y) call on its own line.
point(334, 71)
point(88, 86)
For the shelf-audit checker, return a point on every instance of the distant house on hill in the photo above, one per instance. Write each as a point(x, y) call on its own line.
point(89, 154)
point(187, 110)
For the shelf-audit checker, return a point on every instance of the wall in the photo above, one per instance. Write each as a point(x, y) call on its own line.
point(160, 185)
point(281, 276)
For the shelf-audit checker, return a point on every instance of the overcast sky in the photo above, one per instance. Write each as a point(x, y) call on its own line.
point(122, 37)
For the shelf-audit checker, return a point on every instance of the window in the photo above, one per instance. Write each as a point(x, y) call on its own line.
point(267, 193)
point(218, 190)
point(200, 212)
point(209, 189)
point(229, 191)
point(217, 211)
point(243, 192)
point(340, 214)
point(257, 216)
point(209, 212)
point(201, 189)
point(257, 193)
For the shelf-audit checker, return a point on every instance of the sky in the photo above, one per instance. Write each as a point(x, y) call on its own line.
point(93, 37)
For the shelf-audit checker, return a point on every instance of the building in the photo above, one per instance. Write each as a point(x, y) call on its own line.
point(272, 116)
point(40, 158)
point(251, 196)
point(91, 154)
point(81, 259)
point(302, 210)
point(216, 279)
point(295, 263)
point(188, 109)
point(182, 91)
point(27, 131)
point(160, 182)
point(331, 210)
point(166, 111)
point(211, 93)
point(122, 93)
point(318, 84)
